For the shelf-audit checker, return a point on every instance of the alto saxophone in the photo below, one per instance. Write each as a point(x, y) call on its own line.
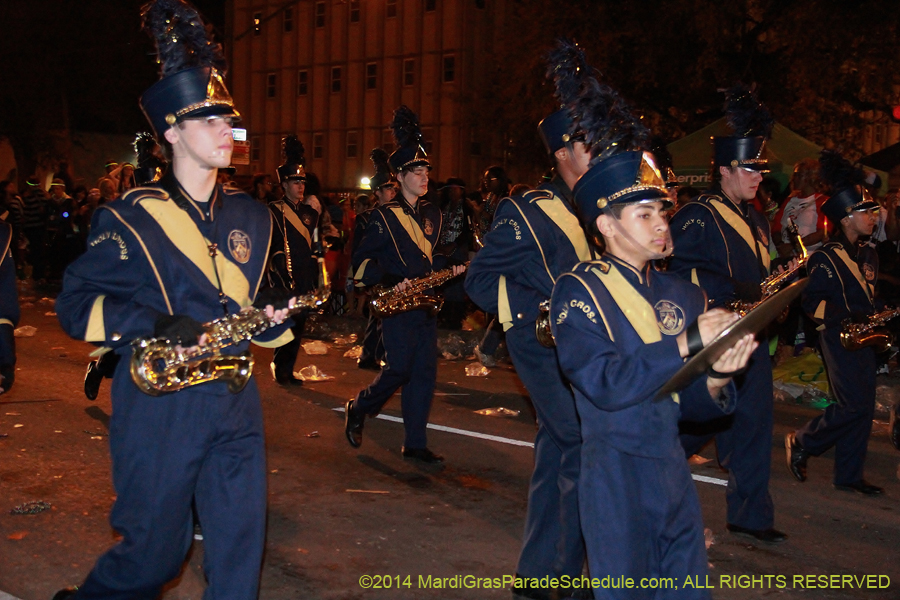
point(159, 366)
point(774, 282)
point(387, 302)
point(871, 333)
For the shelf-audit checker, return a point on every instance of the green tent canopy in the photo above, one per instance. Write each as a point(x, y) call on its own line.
point(692, 154)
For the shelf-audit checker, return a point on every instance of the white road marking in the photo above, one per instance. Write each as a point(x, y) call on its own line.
point(512, 442)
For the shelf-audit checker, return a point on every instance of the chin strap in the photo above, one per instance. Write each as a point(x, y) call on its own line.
point(634, 244)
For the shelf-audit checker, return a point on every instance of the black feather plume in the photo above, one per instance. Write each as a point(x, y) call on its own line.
point(144, 147)
point(745, 114)
point(380, 160)
point(181, 37)
point(406, 128)
point(838, 172)
point(567, 67)
point(606, 119)
point(293, 151)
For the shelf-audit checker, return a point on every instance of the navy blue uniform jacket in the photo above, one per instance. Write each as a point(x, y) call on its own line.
point(720, 246)
point(535, 238)
point(398, 244)
point(841, 282)
point(298, 224)
point(147, 257)
point(616, 330)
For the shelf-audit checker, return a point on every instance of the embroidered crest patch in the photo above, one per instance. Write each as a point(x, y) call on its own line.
point(239, 245)
point(762, 236)
point(306, 218)
point(428, 226)
point(669, 317)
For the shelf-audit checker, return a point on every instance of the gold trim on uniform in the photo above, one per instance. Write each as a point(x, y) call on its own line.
point(96, 328)
point(281, 340)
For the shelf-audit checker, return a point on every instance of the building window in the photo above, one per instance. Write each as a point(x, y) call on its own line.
point(318, 145)
point(391, 8)
point(320, 14)
point(354, 11)
point(271, 85)
point(254, 148)
point(371, 76)
point(257, 23)
point(302, 82)
point(335, 79)
point(430, 5)
point(352, 144)
point(449, 74)
point(409, 71)
point(288, 23)
point(387, 140)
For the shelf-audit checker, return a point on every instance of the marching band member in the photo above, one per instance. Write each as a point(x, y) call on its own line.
point(384, 190)
point(841, 286)
point(397, 246)
point(722, 245)
point(161, 260)
point(535, 238)
point(622, 330)
point(292, 264)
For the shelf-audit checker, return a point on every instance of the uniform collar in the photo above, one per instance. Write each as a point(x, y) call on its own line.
point(558, 187)
point(633, 274)
point(184, 201)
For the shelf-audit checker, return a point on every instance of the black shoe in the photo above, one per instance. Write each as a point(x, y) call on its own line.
point(66, 593)
point(796, 457)
point(353, 424)
point(285, 379)
point(894, 427)
point(92, 380)
point(369, 364)
point(860, 487)
point(423, 454)
point(769, 536)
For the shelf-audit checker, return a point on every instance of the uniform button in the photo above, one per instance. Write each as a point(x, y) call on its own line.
point(116, 336)
point(520, 316)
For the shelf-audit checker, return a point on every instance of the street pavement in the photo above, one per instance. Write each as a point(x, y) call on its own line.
point(344, 521)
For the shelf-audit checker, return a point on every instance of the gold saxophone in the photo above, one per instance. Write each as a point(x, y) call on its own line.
point(774, 282)
point(158, 366)
point(387, 302)
point(871, 333)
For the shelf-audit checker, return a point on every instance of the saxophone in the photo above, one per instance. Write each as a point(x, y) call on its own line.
point(387, 302)
point(774, 282)
point(871, 333)
point(159, 366)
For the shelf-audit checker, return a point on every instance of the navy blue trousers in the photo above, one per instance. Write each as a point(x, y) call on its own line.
point(744, 445)
point(552, 542)
point(202, 443)
point(285, 356)
point(847, 424)
point(410, 346)
point(641, 518)
point(372, 344)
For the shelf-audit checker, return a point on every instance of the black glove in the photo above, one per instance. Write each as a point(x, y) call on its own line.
point(278, 297)
point(747, 291)
point(180, 329)
point(7, 377)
